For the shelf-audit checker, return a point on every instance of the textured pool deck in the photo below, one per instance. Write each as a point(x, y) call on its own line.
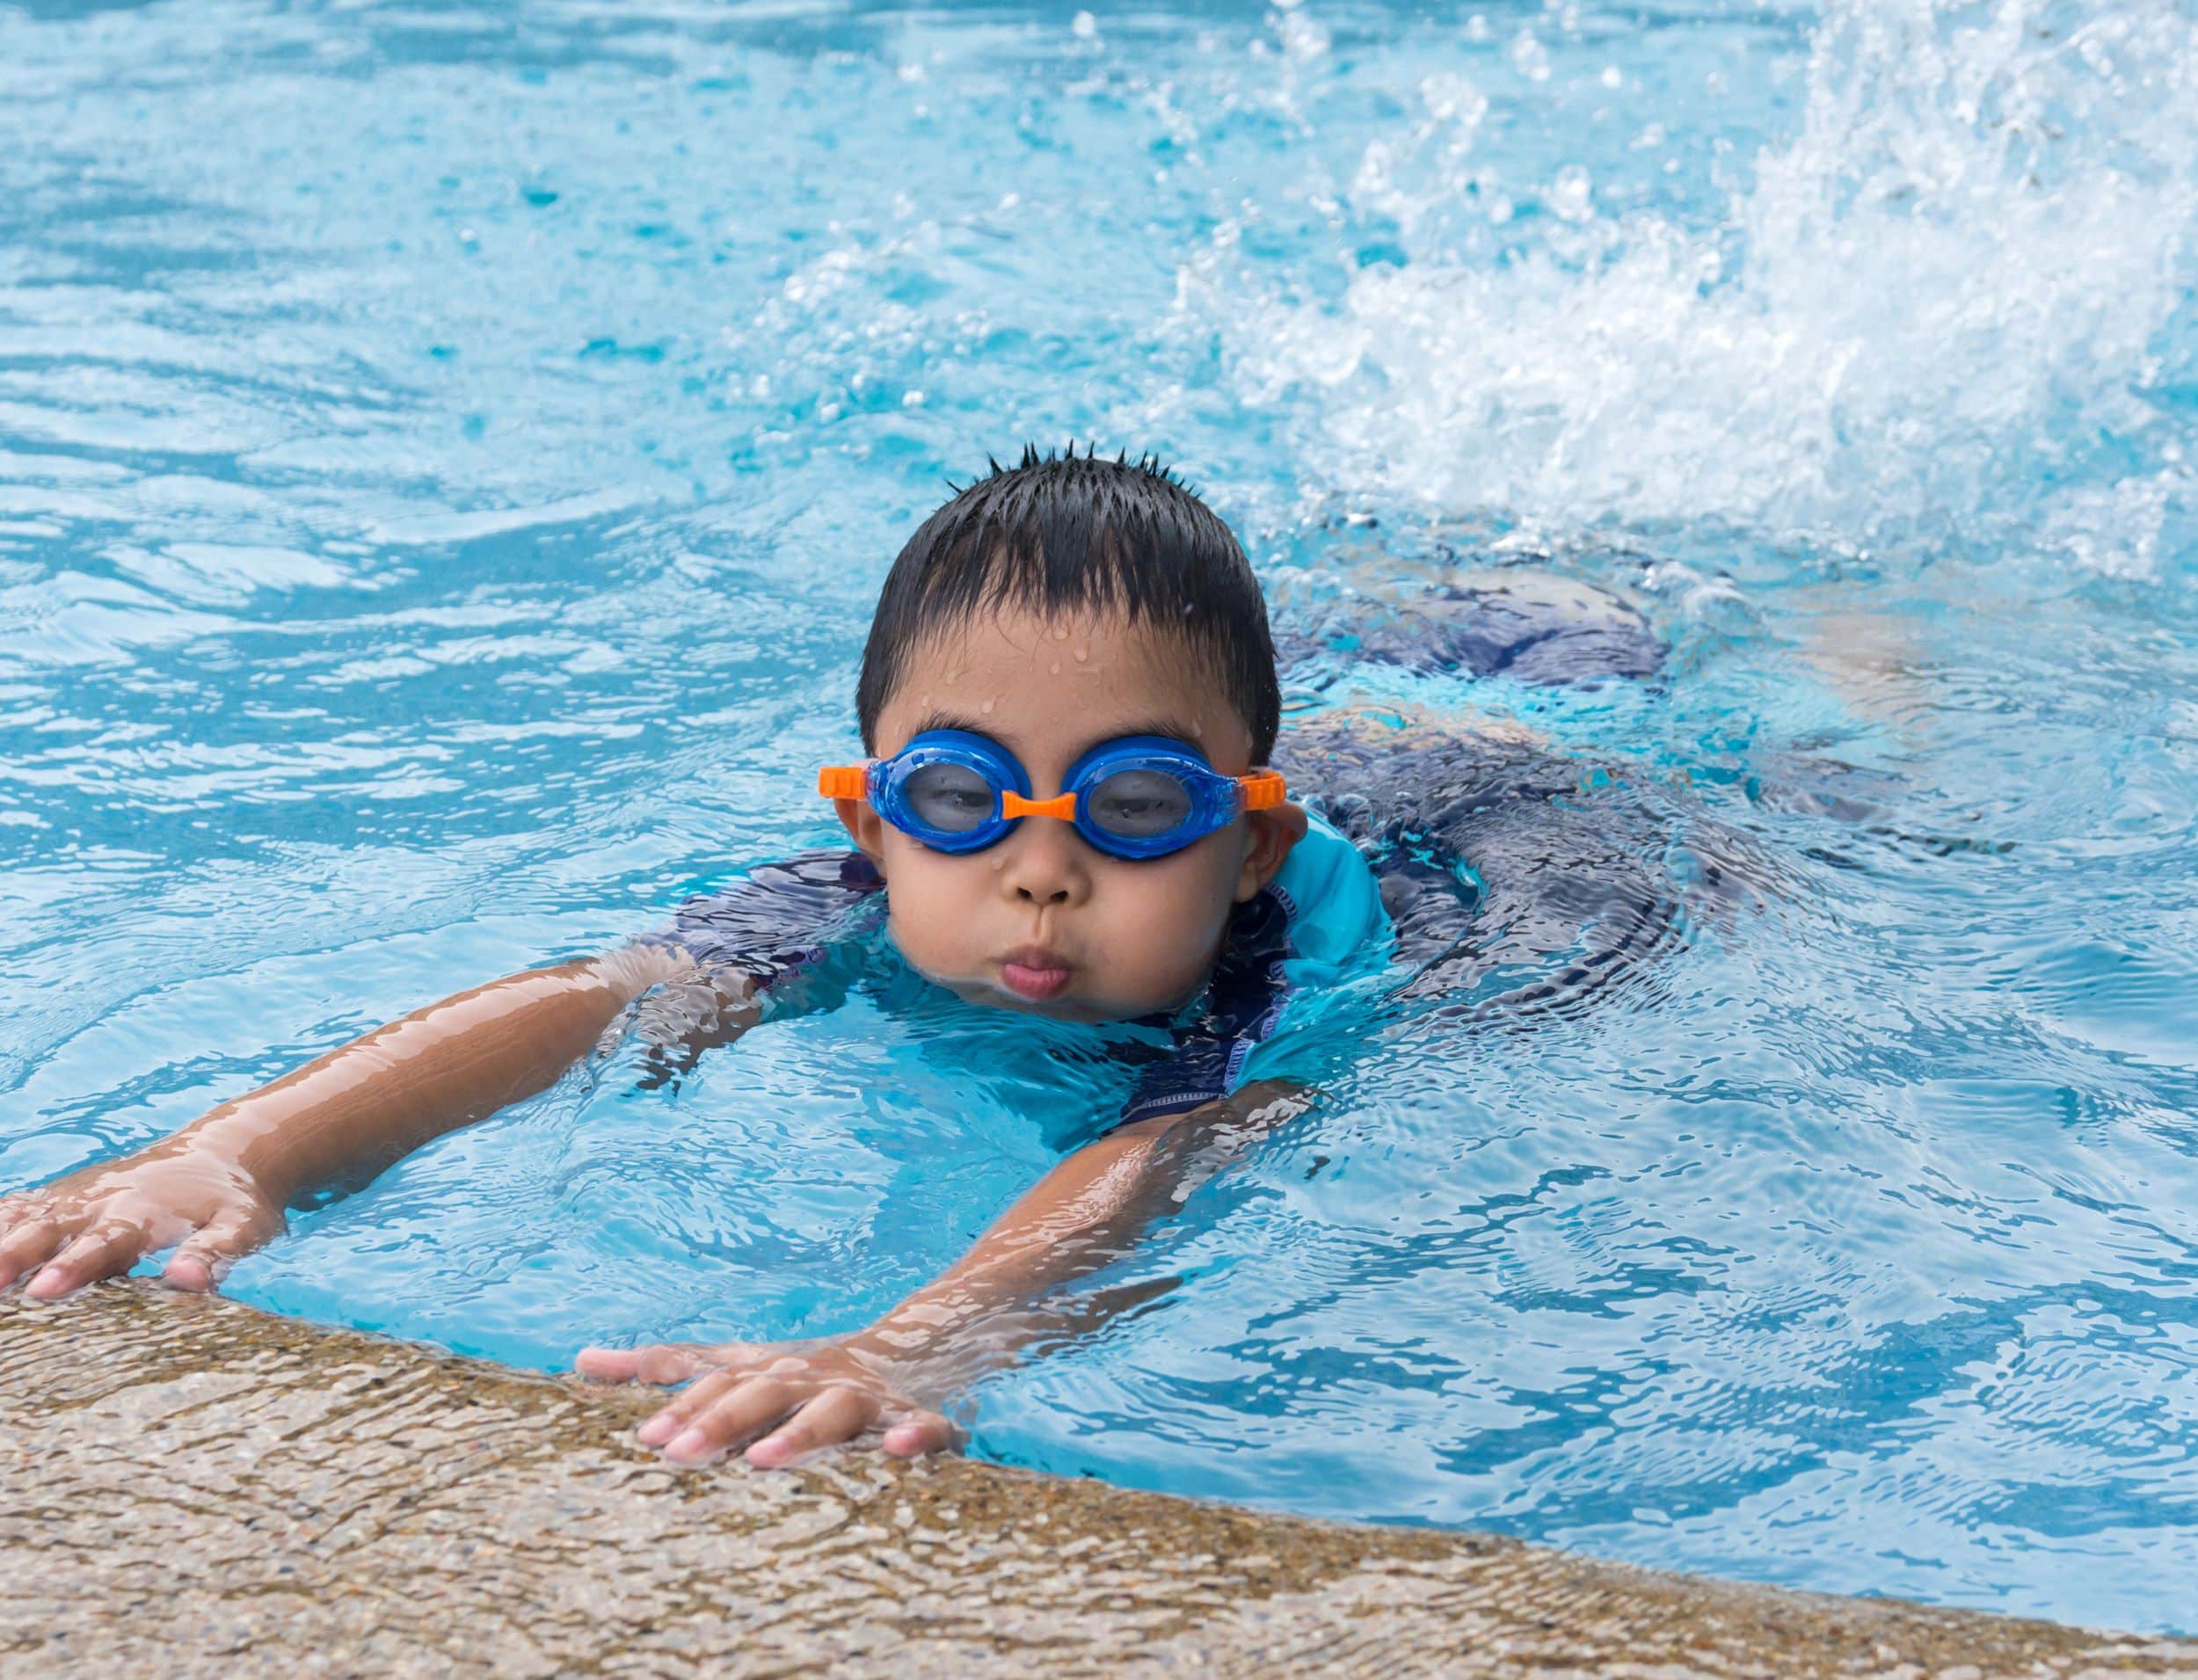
point(188, 1485)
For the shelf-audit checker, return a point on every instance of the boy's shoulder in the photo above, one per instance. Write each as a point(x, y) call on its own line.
point(1329, 896)
point(772, 918)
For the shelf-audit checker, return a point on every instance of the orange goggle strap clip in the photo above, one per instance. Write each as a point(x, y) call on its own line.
point(844, 782)
point(1262, 789)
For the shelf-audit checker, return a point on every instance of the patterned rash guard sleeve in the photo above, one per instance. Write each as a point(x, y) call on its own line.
point(779, 921)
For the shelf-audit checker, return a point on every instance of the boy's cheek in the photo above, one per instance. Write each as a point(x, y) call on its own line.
point(1166, 921)
point(931, 912)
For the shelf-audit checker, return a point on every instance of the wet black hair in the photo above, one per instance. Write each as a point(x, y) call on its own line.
point(1076, 533)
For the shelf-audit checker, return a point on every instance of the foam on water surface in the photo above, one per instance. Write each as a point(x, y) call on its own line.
point(446, 456)
point(1952, 304)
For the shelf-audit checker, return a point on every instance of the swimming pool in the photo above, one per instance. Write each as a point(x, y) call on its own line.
point(447, 454)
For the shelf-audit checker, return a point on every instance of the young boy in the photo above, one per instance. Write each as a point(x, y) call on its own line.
point(1070, 701)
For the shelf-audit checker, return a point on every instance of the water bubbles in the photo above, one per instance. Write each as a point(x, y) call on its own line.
point(1392, 178)
point(1572, 195)
point(1452, 98)
point(1302, 39)
point(1529, 57)
point(1084, 26)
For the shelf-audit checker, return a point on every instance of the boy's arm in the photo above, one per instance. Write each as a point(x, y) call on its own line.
point(218, 1186)
point(1089, 1211)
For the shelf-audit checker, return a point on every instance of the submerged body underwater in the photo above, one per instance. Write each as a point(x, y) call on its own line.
point(447, 462)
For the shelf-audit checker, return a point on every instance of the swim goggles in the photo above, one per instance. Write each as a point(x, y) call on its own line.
point(1139, 797)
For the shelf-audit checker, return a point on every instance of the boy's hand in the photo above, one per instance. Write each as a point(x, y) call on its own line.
point(796, 1396)
point(100, 1221)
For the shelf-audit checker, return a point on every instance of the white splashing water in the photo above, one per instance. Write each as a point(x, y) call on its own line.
point(1959, 290)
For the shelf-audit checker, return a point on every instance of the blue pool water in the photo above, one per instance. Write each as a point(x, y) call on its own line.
point(448, 453)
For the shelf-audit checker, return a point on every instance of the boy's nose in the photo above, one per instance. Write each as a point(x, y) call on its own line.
point(1045, 865)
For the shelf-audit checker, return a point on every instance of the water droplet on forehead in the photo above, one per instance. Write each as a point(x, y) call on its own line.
point(988, 705)
point(1055, 667)
point(1082, 654)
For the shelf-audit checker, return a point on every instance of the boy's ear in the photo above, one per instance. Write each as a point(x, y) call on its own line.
point(866, 828)
point(1273, 834)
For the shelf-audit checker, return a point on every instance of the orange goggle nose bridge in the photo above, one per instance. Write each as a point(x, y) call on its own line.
point(1013, 804)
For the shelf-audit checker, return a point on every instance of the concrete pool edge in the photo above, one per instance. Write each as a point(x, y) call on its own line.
point(194, 1484)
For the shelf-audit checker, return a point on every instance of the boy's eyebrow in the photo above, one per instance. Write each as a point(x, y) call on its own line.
point(1173, 728)
point(968, 726)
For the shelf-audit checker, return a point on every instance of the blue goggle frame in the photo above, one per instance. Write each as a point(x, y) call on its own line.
point(1211, 801)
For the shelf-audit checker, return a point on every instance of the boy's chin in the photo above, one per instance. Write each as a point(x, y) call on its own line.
point(1068, 1005)
point(1064, 1008)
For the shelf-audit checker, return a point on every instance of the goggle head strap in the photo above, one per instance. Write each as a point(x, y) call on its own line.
point(1263, 790)
point(844, 782)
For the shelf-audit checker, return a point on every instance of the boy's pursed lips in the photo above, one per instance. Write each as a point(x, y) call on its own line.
point(1036, 972)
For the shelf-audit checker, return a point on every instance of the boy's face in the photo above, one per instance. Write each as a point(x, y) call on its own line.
point(1042, 921)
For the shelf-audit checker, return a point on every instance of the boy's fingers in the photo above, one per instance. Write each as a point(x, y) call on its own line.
point(674, 1362)
point(837, 1415)
point(199, 1262)
point(754, 1405)
point(26, 1245)
point(608, 1364)
point(926, 1432)
point(674, 1417)
point(98, 1253)
point(666, 1362)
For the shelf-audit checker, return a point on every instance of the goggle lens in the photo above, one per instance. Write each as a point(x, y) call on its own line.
point(1138, 804)
point(952, 798)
